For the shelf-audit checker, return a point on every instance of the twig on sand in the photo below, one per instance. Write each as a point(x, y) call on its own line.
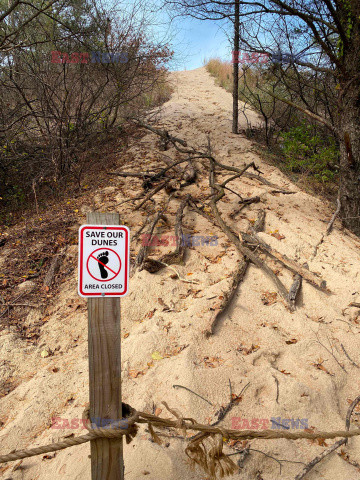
point(330, 351)
point(191, 391)
point(234, 399)
point(12, 302)
point(347, 355)
point(277, 388)
point(350, 411)
point(336, 445)
point(333, 218)
point(247, 450)
point(318, 459)
point(328, 229)
point(177, 273)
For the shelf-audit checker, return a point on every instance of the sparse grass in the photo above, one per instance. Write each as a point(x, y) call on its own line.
point(222, 71)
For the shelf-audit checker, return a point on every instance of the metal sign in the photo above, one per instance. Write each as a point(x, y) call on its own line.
point(104, 260)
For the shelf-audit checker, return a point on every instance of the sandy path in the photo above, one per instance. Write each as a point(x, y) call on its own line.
point(277, 352)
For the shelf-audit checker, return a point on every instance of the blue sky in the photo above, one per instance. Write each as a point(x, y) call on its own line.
point(197, 40)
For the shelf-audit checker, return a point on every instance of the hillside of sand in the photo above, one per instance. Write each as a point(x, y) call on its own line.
point(299, 365)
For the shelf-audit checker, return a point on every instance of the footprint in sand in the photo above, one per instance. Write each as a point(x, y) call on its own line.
point(103, 258)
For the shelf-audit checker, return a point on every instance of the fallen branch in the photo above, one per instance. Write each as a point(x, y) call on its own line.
point(165, 135)
point(232, 237)
point(217, 220)
point(310, 277)
point(152, 193)
point(259, 222)
point(177, 256)
point(294, 289)
point(263, 180)
point(336, 445)
point(318, 459)
point(238, 276)
point(142, 255)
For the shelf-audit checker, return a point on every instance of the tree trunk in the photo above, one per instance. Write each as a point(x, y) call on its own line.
point(350, 160)
point(236, 68)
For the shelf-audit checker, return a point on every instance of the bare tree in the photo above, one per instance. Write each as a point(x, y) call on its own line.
point(73, 75)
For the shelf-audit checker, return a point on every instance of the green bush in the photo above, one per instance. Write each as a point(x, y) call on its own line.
point(311, 153)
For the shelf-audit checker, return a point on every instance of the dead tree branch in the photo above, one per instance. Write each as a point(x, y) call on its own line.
point(310, 277)
point(336, 445)
point(177, 256)
point(152, 193)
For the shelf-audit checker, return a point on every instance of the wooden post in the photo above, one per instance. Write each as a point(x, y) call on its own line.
point(105, 373)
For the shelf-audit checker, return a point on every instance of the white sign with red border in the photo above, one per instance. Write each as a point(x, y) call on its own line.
point(104, 260)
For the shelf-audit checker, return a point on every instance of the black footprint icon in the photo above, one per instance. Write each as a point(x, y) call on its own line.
point(103, 258)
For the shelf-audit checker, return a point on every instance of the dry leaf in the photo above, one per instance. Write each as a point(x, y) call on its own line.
point(212, 362)
point(292, 340)
point(321, 442)
point(135, 373)
point(319, 365)
point(278, 236)
point(247, 351)
point(151, 313)
point(268, 298)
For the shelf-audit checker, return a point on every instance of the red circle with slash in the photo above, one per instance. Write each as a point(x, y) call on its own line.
point(103, 265)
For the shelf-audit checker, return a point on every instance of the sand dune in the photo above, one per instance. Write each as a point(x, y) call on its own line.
point(291, 360)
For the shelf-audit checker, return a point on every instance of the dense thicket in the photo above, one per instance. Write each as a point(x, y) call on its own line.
point(70, 72)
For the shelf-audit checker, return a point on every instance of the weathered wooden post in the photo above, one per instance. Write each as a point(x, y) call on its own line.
point(99, 270)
